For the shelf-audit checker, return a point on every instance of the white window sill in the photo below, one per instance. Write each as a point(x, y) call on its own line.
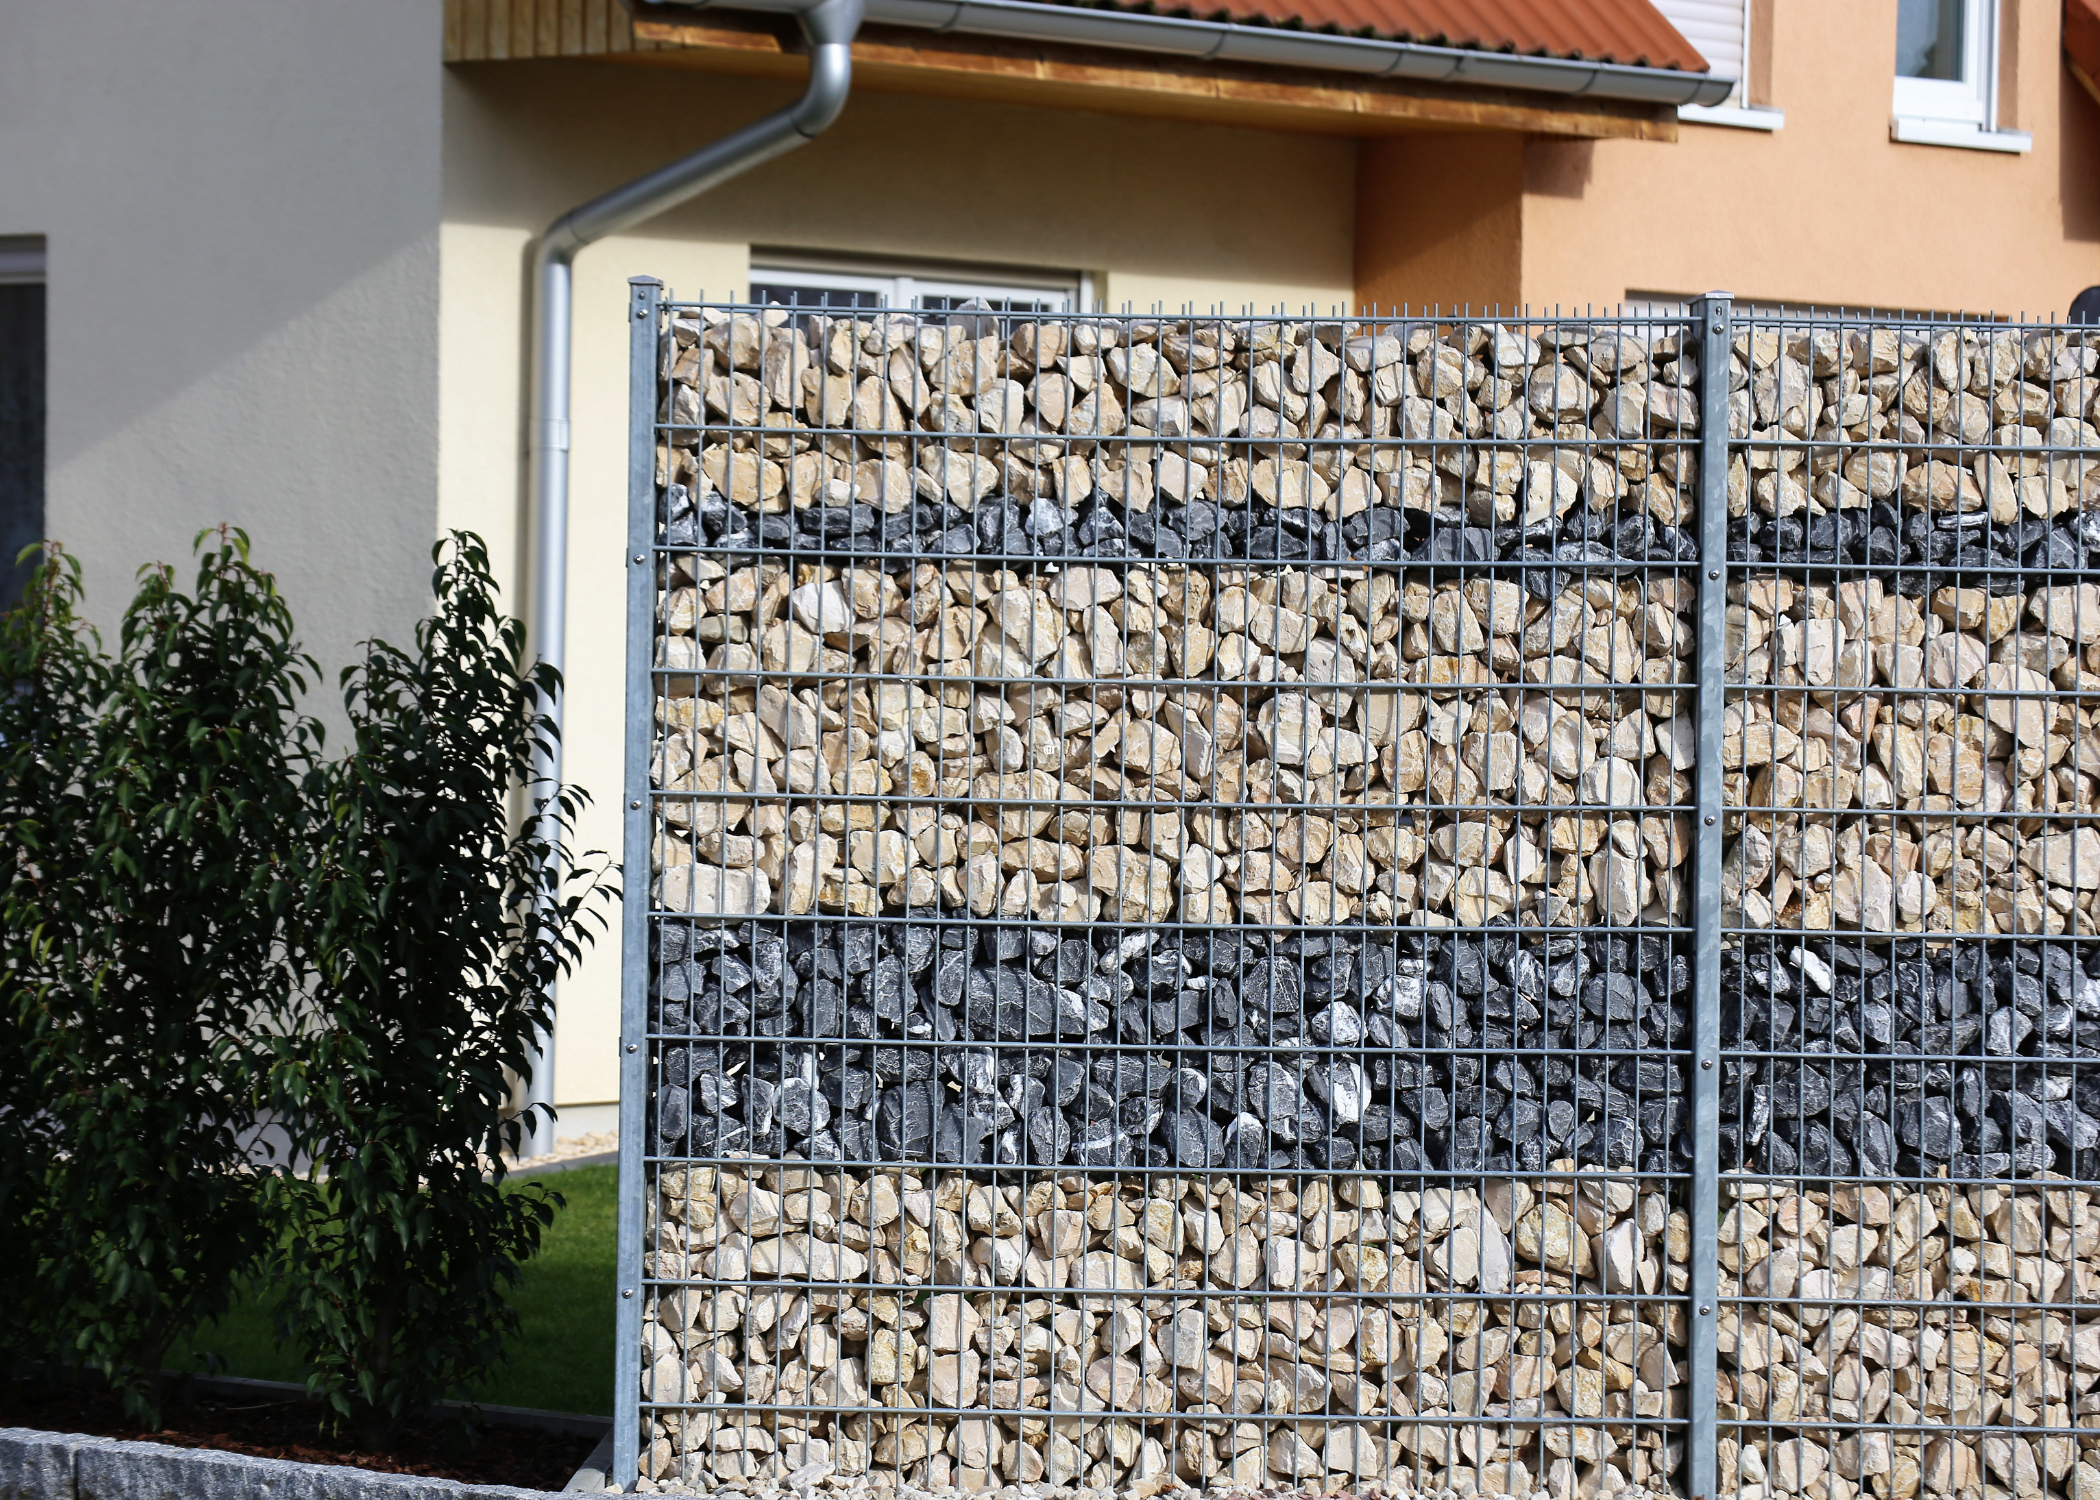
point(1735, 116)
point(1960, 135)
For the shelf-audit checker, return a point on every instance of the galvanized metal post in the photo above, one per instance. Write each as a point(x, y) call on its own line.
point(1710, 325)
point(644, 295)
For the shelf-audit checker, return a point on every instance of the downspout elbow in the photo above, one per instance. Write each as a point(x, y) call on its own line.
point(558, 243)
point(830, 26)
point(830, 78)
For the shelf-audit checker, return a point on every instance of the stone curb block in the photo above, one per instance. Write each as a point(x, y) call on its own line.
point(73, 1466)
point(39, 1465)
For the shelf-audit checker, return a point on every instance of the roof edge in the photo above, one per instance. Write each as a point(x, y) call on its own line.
point(1225, 41)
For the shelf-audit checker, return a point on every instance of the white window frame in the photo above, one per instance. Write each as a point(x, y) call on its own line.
point(1964, 112)
point(904, 288)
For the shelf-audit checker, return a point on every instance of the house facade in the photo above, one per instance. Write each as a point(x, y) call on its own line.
point(276, 259)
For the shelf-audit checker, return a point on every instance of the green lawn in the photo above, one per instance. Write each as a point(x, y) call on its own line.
point(562, 1359)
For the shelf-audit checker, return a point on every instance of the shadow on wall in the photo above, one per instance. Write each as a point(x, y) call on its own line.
point(1559, 169)
point(1007, 183)
point(2078, 162)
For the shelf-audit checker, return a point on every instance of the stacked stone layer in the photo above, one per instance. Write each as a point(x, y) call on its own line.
point(1232, 1335)
point(1924, 551)
point(1148, 438)
point(1327, 1332)
point(1997, 1340)
point(1917, 1059)
point(1912, 764)
point(924, 786)
point(1283, 723)
point(1040, 1047)
point(1965, 449)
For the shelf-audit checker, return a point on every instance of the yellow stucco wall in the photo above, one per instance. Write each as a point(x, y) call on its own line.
point(1158, 212)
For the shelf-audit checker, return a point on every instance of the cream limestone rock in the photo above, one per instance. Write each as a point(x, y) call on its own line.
point(1237, 693)
point(1369, 1383)
point(714, 891)
point(1838, 726)
point(1124, 1363)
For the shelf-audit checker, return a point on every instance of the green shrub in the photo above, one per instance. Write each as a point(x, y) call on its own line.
point(434, 940)
point(208, 928)
point(151, 807)
point(48, 679)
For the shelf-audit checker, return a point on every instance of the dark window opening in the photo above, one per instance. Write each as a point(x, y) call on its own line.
point(21, 421)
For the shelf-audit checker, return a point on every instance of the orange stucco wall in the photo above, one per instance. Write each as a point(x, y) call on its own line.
point(1829, 210)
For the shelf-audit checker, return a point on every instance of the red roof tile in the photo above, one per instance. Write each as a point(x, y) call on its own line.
point(1630, 32)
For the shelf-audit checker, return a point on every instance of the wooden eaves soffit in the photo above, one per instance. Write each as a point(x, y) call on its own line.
point(900, 60)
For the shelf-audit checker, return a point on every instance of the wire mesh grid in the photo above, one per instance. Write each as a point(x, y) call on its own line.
point(1906, 1129)
point(1169, 951)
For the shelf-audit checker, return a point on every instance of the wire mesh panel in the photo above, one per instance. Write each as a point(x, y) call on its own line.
point(1910, 983)
point(1170, 898)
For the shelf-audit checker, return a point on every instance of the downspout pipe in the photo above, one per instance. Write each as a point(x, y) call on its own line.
point(829, 26)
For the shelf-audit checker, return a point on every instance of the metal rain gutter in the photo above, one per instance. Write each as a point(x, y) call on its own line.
point(1225, 41)
point(830, 26)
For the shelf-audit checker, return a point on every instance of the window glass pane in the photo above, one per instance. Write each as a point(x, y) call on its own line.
point(817, 290)
point(786, 294)
point(1011, 310)
point(21, 428)
point(1000, 304)
point(1929, 39)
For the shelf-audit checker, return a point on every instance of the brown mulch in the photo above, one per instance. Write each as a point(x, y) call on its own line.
point(265, 1428)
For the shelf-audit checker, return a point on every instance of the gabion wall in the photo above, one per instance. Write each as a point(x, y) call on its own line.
point(1418, 904)
point(1907, 985)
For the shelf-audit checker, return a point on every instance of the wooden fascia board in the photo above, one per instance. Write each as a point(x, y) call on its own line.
point(900, 60)
point(501, 30)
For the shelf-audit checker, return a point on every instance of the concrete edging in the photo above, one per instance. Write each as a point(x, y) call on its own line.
point(75, 1466)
